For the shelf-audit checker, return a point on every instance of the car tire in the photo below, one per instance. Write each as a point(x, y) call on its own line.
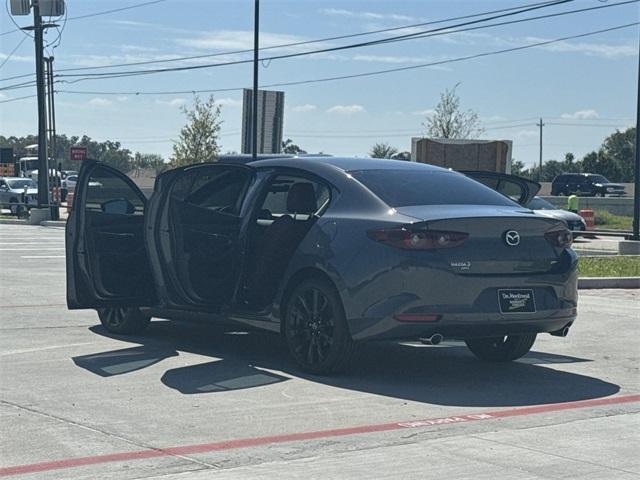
point(315, 328)
point(501, 349)
point(14, 207)
point(123, 320)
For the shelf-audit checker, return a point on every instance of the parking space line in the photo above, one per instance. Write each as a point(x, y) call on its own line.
point(302, 436)
point(42, 256)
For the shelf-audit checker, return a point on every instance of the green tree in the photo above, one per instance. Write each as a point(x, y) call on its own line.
point(198, 139)
point(382, 150)
point(289, 147)
point(615, 157)
point(450, 121)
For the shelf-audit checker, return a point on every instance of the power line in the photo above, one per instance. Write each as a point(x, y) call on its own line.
point(14, 99)
point(89, 15)
point(13, 51)
point(585, 124)
point(360, 75)
point(306, 42)
point(424, 33)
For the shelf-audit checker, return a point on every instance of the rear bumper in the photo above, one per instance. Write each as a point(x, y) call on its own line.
point(465, 305)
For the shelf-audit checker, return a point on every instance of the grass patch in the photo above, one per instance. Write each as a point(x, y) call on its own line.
point(604, 219)
point(612, 266)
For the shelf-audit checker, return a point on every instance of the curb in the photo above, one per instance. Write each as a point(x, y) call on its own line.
point(53, 223)
point(608, 282)
point(13, 221)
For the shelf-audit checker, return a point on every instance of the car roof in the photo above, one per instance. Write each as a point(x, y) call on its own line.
point(346, 164)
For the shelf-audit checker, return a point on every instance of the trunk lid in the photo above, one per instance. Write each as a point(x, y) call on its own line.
point(487, 250)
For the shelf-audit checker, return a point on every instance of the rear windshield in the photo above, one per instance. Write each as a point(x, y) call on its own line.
point(402, 188)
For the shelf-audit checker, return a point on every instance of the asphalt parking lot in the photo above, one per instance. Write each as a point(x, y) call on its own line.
point(193, 401)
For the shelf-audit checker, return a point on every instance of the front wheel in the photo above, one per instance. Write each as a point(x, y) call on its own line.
point(501, 349)
point(123, 320)
point(315, 328)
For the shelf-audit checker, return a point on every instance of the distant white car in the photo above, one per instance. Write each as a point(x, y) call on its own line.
point(69, 183)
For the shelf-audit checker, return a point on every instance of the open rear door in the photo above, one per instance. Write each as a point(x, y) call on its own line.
point(107, 264)
point(518, 189)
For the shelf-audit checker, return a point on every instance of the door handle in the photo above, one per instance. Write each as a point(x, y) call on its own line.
point(119, 235)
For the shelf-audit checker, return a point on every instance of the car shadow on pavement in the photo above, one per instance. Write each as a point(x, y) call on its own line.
point(444, 375)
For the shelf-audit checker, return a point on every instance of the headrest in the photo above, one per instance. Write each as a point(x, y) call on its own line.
point(302, 198)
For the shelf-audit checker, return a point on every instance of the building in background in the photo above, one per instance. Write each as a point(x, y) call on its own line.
point(488, 155)
point(270, 120)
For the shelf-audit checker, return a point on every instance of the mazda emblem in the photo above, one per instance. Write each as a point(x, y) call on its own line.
point(512, 238)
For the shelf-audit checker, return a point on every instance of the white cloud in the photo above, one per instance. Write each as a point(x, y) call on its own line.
point(424, 113)
point(174, 102)
point(99, 102)
point(122, 98)
point(229, 102)
point(307, 107)
point(581, 115)
point(16, 58)
point(137, 48)
point(390, 59)
point(243, 39)
point(367, 15)
point(525, 133)
point(346, 109)
point(606, 50)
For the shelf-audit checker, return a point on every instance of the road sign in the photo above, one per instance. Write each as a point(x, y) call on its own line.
point(77, 153)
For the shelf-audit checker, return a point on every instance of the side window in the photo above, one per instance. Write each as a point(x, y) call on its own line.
point(109, 193)
point(217, 188)
point(309, 197)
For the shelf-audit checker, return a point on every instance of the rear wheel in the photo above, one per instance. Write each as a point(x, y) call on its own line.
point(316, 330)
point(123, 320)
point(501, 349)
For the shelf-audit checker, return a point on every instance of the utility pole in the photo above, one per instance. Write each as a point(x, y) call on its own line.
point(540, 166)
point(43, 169)
point(254, 112)
point(636, 193)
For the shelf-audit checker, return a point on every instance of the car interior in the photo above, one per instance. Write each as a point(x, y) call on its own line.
point(290, 207)
point(114, 217)
point(204, 214)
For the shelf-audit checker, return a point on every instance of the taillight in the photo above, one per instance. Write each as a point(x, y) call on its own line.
point(559, 238)
point(418, 239)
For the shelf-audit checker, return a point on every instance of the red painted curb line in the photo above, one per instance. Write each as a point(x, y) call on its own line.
point(297, 437)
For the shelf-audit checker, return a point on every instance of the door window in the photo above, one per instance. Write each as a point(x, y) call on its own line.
point(109, 193)
point(277, 204)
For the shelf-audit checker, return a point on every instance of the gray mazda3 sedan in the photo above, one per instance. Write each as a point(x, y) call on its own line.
point(328, 252)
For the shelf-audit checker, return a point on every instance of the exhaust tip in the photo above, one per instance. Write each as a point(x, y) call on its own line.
point(434, 339)
point(563, 332)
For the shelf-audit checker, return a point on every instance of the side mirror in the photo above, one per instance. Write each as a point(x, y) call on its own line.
point(118, 206)
point(4, 188)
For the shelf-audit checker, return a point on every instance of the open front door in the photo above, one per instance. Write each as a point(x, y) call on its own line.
point(107, 263)
point(518, 189)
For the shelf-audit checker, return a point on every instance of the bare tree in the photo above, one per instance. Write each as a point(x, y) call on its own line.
point(449, 121)
point(382, 150)
point(198, 140)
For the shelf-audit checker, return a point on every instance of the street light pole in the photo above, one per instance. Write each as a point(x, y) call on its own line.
point(254, 112)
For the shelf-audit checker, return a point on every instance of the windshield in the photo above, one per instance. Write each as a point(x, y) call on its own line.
point(21, 183)
point(402, 188)
point(540, 204)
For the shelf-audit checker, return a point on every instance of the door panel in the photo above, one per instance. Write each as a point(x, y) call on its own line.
point(203, 230)
point(520, 190)
point(106, 255)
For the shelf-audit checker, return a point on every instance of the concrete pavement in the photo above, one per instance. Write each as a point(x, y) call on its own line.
point(188, 401)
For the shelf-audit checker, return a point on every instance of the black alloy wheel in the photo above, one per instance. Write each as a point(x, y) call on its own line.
point(316, 330)
point(123, 320)
point(501, 349)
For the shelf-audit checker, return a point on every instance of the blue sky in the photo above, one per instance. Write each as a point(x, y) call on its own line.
point(577, 83)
